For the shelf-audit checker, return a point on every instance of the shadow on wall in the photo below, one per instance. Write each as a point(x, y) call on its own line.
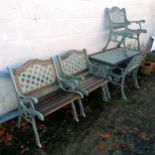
point(8, 100)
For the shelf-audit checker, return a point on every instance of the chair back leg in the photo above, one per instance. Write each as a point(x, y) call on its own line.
point(75, 116)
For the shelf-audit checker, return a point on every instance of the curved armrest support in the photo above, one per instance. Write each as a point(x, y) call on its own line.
point(139, 22)
point(28, 98)
point(70, 86)
point(78, 78)
point(68, 81)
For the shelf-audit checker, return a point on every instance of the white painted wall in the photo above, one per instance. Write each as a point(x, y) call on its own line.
point(42, 28)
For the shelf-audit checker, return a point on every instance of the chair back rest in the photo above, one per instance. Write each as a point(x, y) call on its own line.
point(116, 17)
point(73, 62)
point(34, 76)
point(135, 63)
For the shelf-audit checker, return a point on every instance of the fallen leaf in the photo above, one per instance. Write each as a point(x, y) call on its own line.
point(100, 147)
point(105, 136)
point(143, 136)
point(122, 146)
point(124, 130)
point(152, 115)
point(119, 146)
point(8, 139)
point(2, 132)
point(135, 129)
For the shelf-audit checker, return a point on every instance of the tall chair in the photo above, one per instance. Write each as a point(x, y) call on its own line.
point(119, 28)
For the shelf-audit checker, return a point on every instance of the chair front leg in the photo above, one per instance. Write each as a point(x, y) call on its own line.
point(104, 93)
point(138, 43)
point(122, 88)
point(107, 91)
point(75, 116)
point(134, 75)
point(82, 113)
point(30, 117)
point(19, 117)
point(36, 132)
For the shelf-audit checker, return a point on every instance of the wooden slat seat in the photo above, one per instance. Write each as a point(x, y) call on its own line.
point(54, 101)
point(91, 83)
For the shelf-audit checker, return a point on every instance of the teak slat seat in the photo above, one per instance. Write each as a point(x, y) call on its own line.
point(39, 92)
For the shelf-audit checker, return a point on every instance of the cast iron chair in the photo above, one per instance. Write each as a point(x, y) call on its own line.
point(119, 28)
point(119, 74)
point(76, 68)
point(39, 92)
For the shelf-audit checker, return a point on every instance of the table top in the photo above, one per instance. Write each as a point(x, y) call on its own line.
point(114, 57)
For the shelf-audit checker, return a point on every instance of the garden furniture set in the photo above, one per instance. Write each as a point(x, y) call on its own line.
point(44, 86)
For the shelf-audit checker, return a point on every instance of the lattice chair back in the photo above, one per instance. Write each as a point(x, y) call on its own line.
point(74, 62)
point(116, 16)
point(33, 75)
point(134, 63)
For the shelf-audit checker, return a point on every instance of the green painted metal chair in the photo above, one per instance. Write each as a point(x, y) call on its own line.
point(119, 74)
point(75, 65)
point(119, 28)
point(39, 93)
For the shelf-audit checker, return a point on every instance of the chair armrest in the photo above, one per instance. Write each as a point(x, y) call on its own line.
point(30, 109)
point(77, 78)
point(138, 21)
point(68, 81)
point(70, 85)
point(28, 98)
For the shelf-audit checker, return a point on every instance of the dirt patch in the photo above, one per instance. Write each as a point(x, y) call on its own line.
point(127, 125)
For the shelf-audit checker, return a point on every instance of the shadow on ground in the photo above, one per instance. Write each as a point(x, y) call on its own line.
point(130, 126)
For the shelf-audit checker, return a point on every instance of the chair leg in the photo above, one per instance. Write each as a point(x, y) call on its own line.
point(134, 74)
point(19, 119)
point(122, 89)
point(107, 90)
point(104, 94)
point(119, 44)
point(85, 92)
point(82, 113)
point(35, 132)
point(106, 45)
point(75, 116)
point(124, 44)
point(138, 48)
